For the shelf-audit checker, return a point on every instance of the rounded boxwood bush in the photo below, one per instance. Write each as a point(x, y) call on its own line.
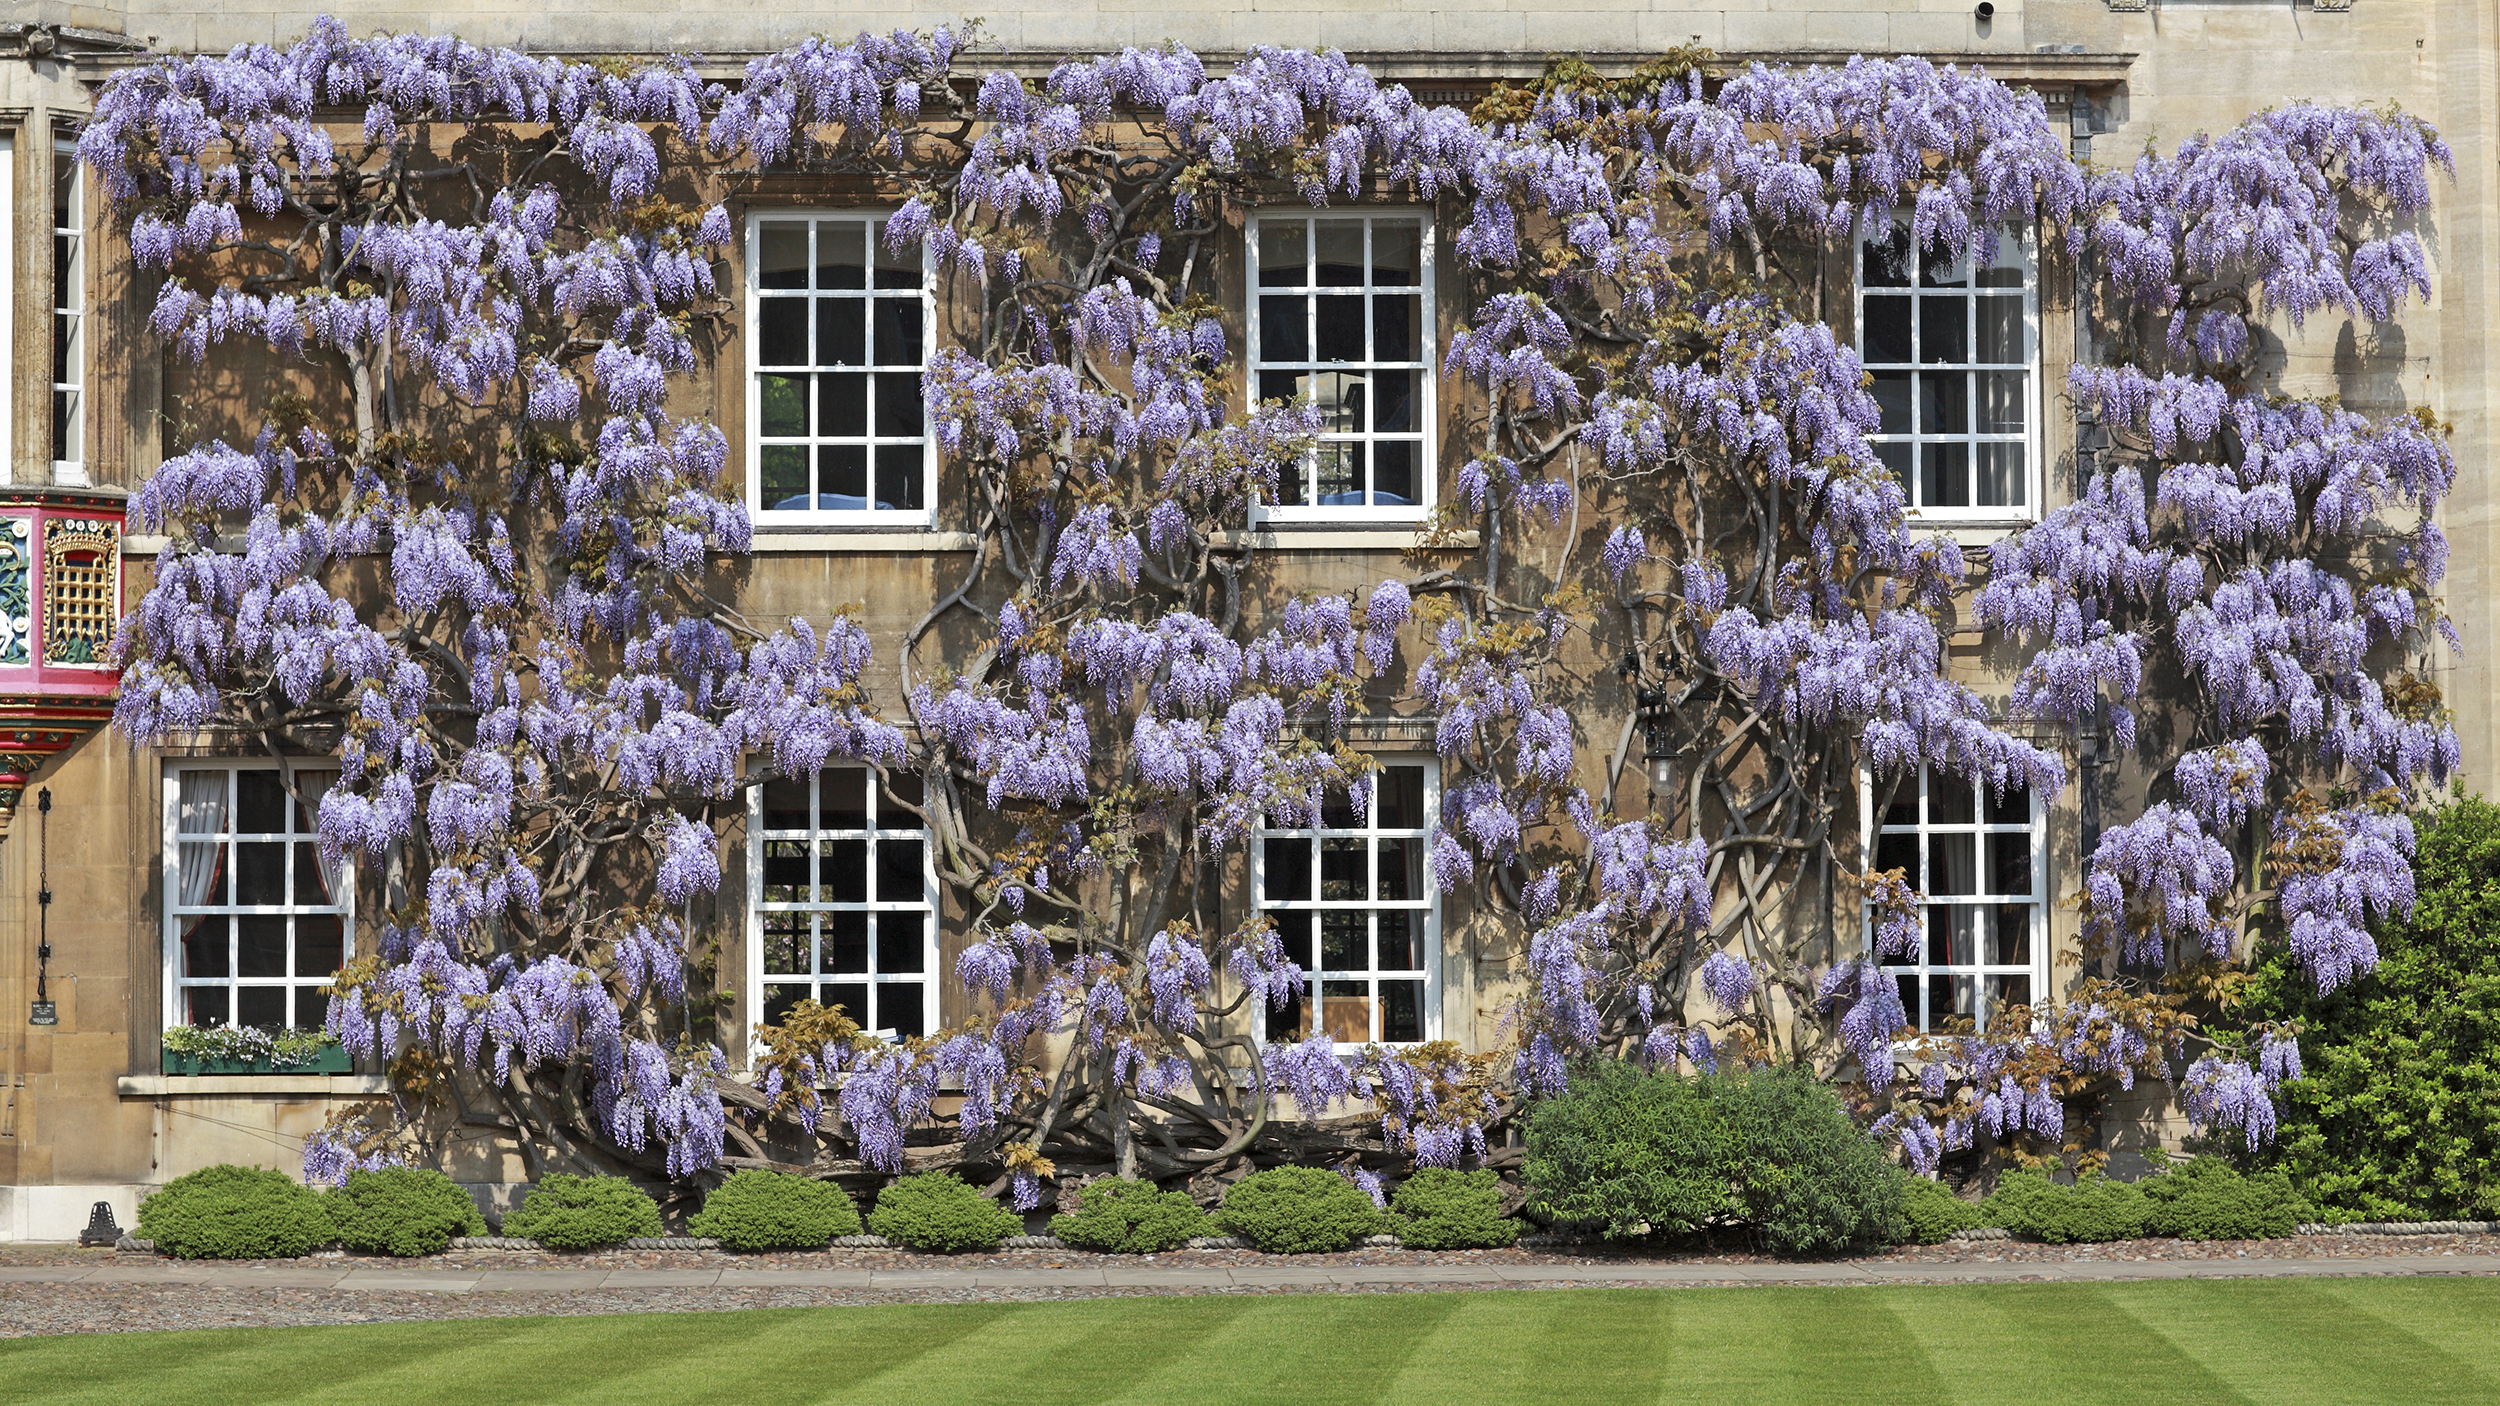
point(1298, 1211)
point(402, 1211)
point(2208, 1199)
point(1130, 1218)
point(235, 1213)
point(579, 1213)
point(1770, 1152)
point(1441, 1209)
point(766, 1210)
point(1933, 1211)
point(2094, 1209)
point(941, 1212)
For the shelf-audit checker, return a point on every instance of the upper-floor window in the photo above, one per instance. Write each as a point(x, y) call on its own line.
point(841, 327)
point(1976, 859)
point(844, 900)
point(1952, 346)
point(1344, 319)
point(255, 922)
point(69, 304)
point(1355, 908)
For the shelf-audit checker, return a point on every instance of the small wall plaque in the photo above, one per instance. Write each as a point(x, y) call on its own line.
point(46, 1013)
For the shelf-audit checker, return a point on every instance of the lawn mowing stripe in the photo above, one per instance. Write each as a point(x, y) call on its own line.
point(732, 1357)
point(2060, 1335)
point(1055, 1354)
point(209, 1366)
point(1797, 1344)
point(1309, 1349)
point(2289, 1341)
point(1556, 1347)
point(2455, 1322)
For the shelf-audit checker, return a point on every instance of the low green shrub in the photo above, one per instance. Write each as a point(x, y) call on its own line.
point(403, 1211)
point(2208, 1199)
point(2093, 1209)
point(941, 1212)
point(766, 1210)
point(578, 1213)
point(1933, 1211)
point(1771, 1152)
point(235, 1213)
point(1130, 1218)
point(1298, 1211)
point(1440, 1209)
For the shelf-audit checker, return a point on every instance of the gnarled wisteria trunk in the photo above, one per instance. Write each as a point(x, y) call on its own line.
point(497, 267)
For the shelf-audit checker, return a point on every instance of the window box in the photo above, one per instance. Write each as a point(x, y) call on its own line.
point(329, 1059)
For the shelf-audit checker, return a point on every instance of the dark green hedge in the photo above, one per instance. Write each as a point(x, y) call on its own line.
point(581, 1213)
point(235, 1213)
point(767, 1210)
point(942, 1212)
point(1298, 1211)
point(404, 1211)
point(1130, 1218)
point(1440, 1209)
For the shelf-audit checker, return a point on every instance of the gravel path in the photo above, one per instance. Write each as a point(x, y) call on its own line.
point(62, 1289)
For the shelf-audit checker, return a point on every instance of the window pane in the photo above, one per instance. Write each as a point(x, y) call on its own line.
point(841, 476)
point(1943, 330)
point(842, 872)
point(898, 332)
point(844, 938)
point(1401, 1011)
point(312, 1007)
point(1345, 869)
point(781, 332)
point(1885, 333)
point(1396, 939)
point(843, 793)
point(785, 476)
point(1401, 870)
point(1346, 1011)
point(1896, 457)
point(900, 946)
point(320, 945)
point(1908, 986)
point(1951, 937)
point(2000, 476)
point(1949, 998)
point(1340, 321)
point(781, 255)
point(783, 405)
point(1293, 934)
point(204, 1005)
point(1342, 401)
point(841, 332)
point(1288, 870)
point(2011, 808)
point(1397, 253)
point(787, 939)
point(2001, 397)
point(310, 890)
point(1280, 385)
point(1395, 317)
point(786, 804)
point(1944, 403)
point(2009, 863)
point(1399, 801)
point(1283, 335)
point(1393, 401)
point(842, 404)
point(902, 788)
point(1898, 852)
point(260, 949)
point(896, 268)
point(2001, 335)
point(851, 997)
point(2004, 991)
point(1340, 253)
point(259, 803)
point(1952, 864)
point(900, 1008)
point(1885, 263)
point(1949, 800)
point(1284, 250)
point(841, 248)
point(1291, 1025)
point(260, 874)
point(898, 404)
point(781, 997)
point(1944, 476)
point(1940, 267)
point(898, 871)
point(1340, 474)
point(260, 1005)
point(2010, 935)
point(204, 950)
point(1345, 941)
point(1891, 390)
point(901, 472)
point(1393, 472)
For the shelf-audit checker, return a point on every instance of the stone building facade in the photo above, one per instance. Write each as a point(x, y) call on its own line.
point(86, 1113)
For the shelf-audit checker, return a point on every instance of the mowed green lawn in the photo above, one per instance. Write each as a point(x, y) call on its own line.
point(2329, 1341)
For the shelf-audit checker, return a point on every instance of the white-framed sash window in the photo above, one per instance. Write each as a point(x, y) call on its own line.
point(840, 328)
point(1354, 903)
point(1343, 319)
point(1979, 864)
point(69, 319)
point(256, 925)
point(1952, 347)
point(844, 901)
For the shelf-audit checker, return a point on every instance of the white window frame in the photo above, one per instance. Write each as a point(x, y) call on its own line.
point(68, 429)
point(2024, 243)
point(815, 515)
point(175, 911)
point(1428, 941)
point(1426, 366)
point(925, 904)
point(1918, 966)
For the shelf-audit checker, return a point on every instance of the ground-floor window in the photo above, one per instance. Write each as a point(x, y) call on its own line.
point(1354, 906)
point(1976, 858)
point(844, 911)
point(255, 923)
